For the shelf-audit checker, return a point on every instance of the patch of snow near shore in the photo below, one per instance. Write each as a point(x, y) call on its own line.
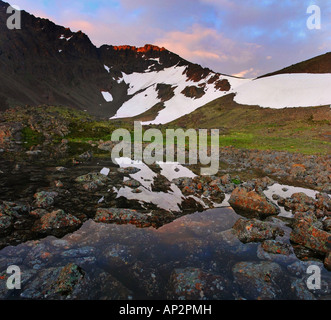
point(286, 90)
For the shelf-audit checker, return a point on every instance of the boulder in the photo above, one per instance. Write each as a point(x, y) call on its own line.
point(255, 230)
point(247, 202)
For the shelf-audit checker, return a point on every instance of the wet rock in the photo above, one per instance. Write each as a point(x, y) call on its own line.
point(195, 284)
point(252, 203)
point(102, 286)
point(259, 281)
point(300, 290)
point(128, 170)
point(117, 256)
point(327, 224)
point(299, 268)
point(327, 261)
point(122, 216)
point(308, 235)
point(255, 230)
point(54, 283)
point(45, 199)
point(300, 202)
point(6, 224)
point(68, 278)
point(56, 223)
point(276, 247)
point(323, 203)
point(147, 279)
point(132, 183)
point(93, 181)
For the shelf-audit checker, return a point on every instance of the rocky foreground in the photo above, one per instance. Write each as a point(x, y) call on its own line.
point(53, 188)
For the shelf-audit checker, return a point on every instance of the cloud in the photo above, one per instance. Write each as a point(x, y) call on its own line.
point(229, 36)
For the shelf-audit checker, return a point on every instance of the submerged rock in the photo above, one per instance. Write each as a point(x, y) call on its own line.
point(195, 284)
point(259, 281)
point(255, 230)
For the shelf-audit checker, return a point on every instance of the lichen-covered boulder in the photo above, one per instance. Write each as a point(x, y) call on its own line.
point(252, 203)
point(255, 230)
point(56, 223)
point(122, 216)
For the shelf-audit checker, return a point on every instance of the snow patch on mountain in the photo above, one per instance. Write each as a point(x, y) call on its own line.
point(107, 96)
point(142, 86)
point(286, 90)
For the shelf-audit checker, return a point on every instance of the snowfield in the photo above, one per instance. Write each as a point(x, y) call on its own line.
point(279, 91)
point(286, 90)
point(177, 106)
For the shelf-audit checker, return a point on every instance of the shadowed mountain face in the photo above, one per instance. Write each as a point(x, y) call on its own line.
point(320, 64)
point(43, 63)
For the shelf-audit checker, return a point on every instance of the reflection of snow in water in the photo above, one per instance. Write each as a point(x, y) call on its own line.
point(173, 170)
point(170, 200)
point(165, 200)
point(285, 191)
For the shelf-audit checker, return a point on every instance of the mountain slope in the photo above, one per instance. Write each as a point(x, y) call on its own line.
point(305, 130)
point(44, 63)
point(319, 64)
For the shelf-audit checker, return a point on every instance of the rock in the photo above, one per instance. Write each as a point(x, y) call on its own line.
point(57, 223)
point(58, 184)
point(195, 284)
point(88, 155)
point(252, 203)
point(132, 183)
point(68, 278)
point(323, 202)
point(93, 181)
point(45, 199)
point(122, 216)
point(6, 223)
point(276, 247)
point(300, 290)
point(117, 256)
point(147, 279)
point(327, 224)
point(327, 261)
point(128, 170)
point(300, 202)
point(306, 234)
point(259, 281)
point(53, 283)
point(255, 230)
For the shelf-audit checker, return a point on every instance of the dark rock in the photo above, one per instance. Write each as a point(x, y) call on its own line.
point(259, 281)
point(122, 216)
point(195, 284)
point(56, 223)
point(255, 230)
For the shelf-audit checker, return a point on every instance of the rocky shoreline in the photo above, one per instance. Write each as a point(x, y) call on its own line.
point(55, 189)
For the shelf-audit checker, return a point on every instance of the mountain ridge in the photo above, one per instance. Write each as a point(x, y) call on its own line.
point(47, 64)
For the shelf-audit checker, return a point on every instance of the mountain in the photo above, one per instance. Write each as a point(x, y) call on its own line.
point(46, 64)
point(319, 64)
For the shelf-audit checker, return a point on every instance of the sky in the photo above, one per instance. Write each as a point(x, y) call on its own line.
point(245, 38)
